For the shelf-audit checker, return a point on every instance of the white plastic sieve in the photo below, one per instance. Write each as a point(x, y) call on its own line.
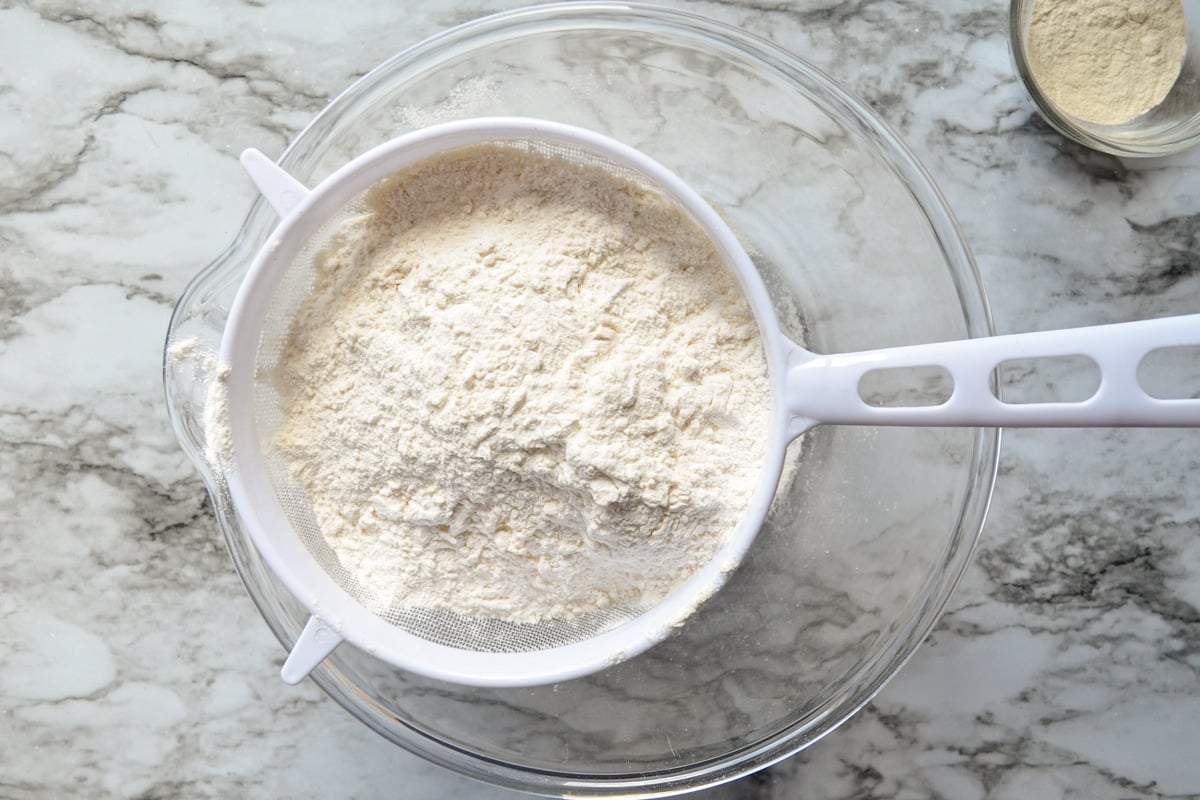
point(807, 390)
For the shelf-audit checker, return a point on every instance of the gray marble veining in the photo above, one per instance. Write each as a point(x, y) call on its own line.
point(132, 664)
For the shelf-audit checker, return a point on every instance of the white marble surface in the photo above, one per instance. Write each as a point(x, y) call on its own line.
point(132, 663)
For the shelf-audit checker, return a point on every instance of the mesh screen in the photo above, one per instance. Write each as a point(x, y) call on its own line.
point(436, 625)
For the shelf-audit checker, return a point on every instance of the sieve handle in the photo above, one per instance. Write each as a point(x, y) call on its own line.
point(823, 390)
point(279, 188)
point(316, 642)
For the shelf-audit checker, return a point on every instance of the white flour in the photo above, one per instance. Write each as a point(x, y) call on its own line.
point(523, 389)
point(218, 443)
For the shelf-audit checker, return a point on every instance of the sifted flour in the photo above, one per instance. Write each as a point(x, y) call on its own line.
point(522, 389)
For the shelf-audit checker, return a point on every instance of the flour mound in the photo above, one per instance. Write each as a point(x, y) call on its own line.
point(1107, 61)
point(522, 389)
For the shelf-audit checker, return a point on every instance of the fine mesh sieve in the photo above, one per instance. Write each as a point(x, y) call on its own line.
point(807, 390)
point(279, 513)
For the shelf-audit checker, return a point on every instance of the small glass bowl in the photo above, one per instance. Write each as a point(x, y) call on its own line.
point(872, 528)
point(1171, 126)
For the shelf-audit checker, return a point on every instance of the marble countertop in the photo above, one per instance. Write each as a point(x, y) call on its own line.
point(1067, 664)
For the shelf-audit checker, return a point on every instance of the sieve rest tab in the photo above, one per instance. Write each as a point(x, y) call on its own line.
point(279, 188)
point(316, 642)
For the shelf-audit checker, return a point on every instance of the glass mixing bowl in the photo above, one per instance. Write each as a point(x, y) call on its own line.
point(871, 528)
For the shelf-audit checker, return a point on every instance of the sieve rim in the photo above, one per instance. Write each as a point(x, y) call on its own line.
point(254, 498)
